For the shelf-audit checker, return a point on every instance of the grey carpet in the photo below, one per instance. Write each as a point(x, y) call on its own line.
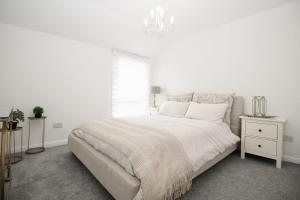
point(57, 174)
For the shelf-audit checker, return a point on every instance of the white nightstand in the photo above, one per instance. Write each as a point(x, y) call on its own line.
point(262, 137)
point(153, 111)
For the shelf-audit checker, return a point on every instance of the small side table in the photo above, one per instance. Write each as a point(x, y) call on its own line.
point(16, 157)
point(36, 149)
point(5, 167)
point(263, 137)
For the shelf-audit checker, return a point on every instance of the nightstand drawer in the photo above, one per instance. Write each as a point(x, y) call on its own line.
point(260, 146)
point(261, 130)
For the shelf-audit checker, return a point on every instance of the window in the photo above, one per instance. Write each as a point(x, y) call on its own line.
point(130, 85)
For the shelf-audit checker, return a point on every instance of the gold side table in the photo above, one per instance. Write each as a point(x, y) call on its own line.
point(5, 173)
point(36, 149)
point(16, 156)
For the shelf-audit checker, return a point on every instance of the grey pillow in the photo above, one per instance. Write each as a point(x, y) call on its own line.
point(216, 98)
point(180, 98)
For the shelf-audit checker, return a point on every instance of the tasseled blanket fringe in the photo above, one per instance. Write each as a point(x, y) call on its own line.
point(179, 188)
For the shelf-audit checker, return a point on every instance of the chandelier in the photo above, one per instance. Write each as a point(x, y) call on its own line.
point(157, 22)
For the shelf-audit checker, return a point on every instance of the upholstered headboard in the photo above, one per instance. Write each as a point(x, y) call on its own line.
point(236, 111)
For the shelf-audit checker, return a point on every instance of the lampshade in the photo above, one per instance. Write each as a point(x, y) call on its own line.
point(155, 89)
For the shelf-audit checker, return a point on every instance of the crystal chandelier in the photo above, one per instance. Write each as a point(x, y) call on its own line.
point(158, 22)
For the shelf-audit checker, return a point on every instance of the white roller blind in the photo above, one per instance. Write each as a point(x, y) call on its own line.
point(130, 85)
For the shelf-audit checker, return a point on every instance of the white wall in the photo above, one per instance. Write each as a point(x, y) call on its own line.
point(70, 79)
point(257, 55)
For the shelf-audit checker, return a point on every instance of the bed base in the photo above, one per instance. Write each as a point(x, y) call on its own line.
point(120, 184)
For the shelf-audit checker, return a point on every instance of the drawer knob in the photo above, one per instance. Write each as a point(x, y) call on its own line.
point(259, 130)
point(259, 146)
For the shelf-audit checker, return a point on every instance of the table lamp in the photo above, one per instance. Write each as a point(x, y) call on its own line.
point(154, 91)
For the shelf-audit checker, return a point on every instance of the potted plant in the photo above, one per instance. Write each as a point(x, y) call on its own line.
point(17, 116)
point(38, 111)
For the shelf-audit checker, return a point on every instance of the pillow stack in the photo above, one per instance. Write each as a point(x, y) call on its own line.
point(202, 106)
point(213, 98)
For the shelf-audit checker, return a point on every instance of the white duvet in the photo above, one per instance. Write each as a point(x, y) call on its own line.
point(202, 140)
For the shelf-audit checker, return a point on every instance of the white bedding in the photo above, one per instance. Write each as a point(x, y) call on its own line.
point(202, 140)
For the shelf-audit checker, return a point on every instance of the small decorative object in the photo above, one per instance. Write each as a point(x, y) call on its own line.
point(16, 116)
point(155, 90)
point(259, 106)
point(38, 111)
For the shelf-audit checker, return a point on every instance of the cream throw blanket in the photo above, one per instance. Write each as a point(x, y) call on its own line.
point(157, 158)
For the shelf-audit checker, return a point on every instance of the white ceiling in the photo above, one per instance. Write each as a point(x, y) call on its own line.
point(119, 23)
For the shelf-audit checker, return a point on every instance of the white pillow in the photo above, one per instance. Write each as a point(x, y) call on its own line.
point(174, 108)
point(209, 112)
point(211, 98)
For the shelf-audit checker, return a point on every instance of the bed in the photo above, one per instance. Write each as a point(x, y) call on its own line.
point(121, 184)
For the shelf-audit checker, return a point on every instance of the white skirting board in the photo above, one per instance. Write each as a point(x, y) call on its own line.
point(291, 159)
point(47, 144)
point(65, 141)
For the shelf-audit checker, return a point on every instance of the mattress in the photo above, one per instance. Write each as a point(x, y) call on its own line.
point(119, 183)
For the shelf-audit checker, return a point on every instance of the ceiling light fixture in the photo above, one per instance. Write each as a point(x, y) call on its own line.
point(157, 22)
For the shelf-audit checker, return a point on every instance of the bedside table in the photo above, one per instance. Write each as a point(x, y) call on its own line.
point(262, 137)
point(153, 111)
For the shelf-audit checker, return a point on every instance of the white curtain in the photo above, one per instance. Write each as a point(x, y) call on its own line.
point(130, 85)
